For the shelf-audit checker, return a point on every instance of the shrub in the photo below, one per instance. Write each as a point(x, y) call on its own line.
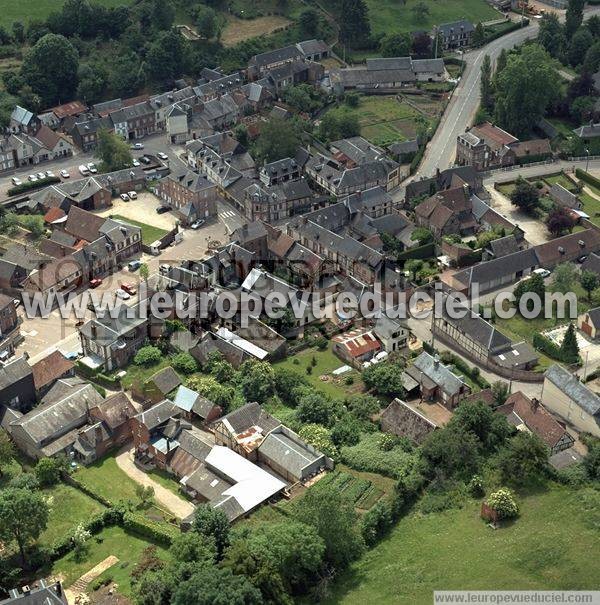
point(101, 582)
point(48, 470)
point(185, 363)
point(376, 522)
point(138, 524)
point(475, 487)
point(28, 186)
point(147, 356)
point(504, 503)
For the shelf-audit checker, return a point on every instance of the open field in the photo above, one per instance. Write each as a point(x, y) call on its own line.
point(127, 547)
point(238, 30)
point(69, 508)
point(391, 16)
point(29, 10)
point(327, 361)
point(546, 548)
point(105, 478)
point(384, 119)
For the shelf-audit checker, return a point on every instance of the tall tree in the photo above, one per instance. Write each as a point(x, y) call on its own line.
point(278, 139)
point(50, 68)
point(420, 11)
point(487, 100)
point(309, 21)
point(395, 45)
point(168, 56)
point(580, 43)
point(559, 221)
point(355, 28)
point(23, 517)
point(335, 521)
point(551, 35)
point(422, 44)
point(525, 88)
point(525, 195)
point(569, 348)
point(212, 523)
point(112, 151)
point(524, 458)
point(589, 281)
point(574, 17)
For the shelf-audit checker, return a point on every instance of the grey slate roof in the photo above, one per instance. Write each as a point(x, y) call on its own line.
point(438, 373)
point(504, 245)
point(14, 371)
point(588, 131)
point(250, 415)
point(166, 380)
point(288, 451)
point(575, 390)
point(157, 414)
point(456, 27)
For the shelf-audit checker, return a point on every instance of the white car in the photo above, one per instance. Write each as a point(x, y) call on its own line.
point(164, 268)
point(16, 182)
point(136, 163)
point(197, 223)
point(83, 169)
point(137, 146)
point(120, 293)
point(132, 195)
point(162, 155)
point(33, 178)
point(124, 197)
point(49, 174)
point(65, 174)
point(41, 175)
point(92, 168)
point(544, 273)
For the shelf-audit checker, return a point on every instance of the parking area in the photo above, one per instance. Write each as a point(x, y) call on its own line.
point(142, 209)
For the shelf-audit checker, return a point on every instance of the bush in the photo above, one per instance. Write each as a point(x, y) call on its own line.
point(475, 487)
point(376, 522)
point(147, 356)
point(101, 583)
point(586, 177)
point(185, 363)
point(504, 503)
point(138, 524)
point(48, 471)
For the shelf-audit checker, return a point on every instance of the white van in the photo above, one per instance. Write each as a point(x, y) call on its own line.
point(84, 169)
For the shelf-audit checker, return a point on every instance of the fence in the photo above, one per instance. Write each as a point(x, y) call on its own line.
point(516, 167)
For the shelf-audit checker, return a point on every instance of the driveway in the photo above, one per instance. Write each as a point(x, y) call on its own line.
point(142, 210)
point(178, 506)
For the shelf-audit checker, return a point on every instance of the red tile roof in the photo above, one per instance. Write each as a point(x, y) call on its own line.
point(73, 108)
point(49, 369)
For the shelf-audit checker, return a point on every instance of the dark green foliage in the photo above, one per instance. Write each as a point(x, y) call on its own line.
point(534, 284)
point(376, 522)
point(385, 378)
point(213, 524)
point(525, 195)
point(278, 139)
point(524, 458)
point(147, 356)
point(569, 349)
point(185, 363)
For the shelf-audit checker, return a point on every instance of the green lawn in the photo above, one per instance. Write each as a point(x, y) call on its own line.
point(327, 361)
point(384, 120)
point(547, 548)
point(110, 541)
point(28, 10)
point(561, 179)
point(167, 481)
point(69, 508)
point(391, 16)
point(140, 374)
point(105, 478)
point(149, 233)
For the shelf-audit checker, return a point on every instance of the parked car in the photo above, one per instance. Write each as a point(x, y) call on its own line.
point(134, 265)
point(132, 195)
point(16, 182)
point(72, 355)
point(137, 146)
point(129, 288)
point(92, 168)
point(33, 178)
point(144, 159)
point(135, 163)
point(164, 268)
point(94, 283)
point(124, 197)
point(162, 209)
point(16, 302)
point(544, 273)
point(582, 258)
point(84, 170)
point(64, 174)
point(197, 223)
point(162, 155)
point(50, 174)
point(122, 294)
point(41, 175)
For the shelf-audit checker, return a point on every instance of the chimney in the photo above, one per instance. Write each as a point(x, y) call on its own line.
point(93, 329)
point(535, 404)
point(436, 361)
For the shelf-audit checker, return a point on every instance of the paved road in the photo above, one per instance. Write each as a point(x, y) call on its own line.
point(465, 100)
point(178, 506)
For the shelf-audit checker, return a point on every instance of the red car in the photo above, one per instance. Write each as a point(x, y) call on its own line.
point(129, 288)
point(94, 283)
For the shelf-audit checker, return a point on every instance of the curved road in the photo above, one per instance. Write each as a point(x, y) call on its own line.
point(463, 105)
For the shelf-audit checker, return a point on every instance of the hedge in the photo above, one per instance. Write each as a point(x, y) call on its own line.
point(490, 37)
point(551, 349)
point(586, 176)
point(28, 186)
point(424, 251)
point(138, 524)
point(85, 489)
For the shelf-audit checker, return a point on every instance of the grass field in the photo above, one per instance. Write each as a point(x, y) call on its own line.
point(384, 120)
point(327, 361)
point(69, 508)
point(111, 541)
point(390, 16)
point(547, 548)
point(237, 30)
point(149, 233)
point(28, 10)
point(105, 478)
